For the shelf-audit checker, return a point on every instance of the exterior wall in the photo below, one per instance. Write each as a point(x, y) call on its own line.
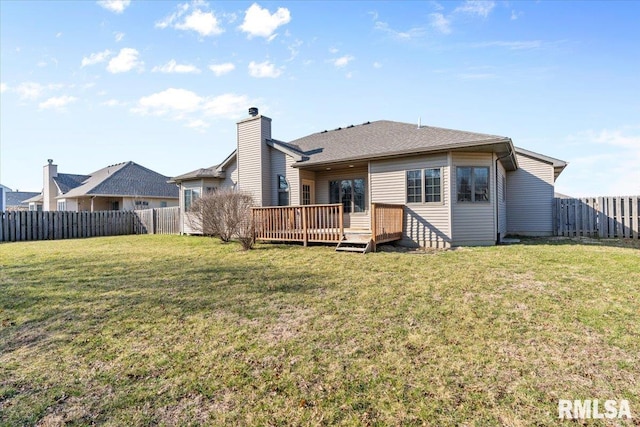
point(530, 198)
point(502, 200)
point(425, 224)
point(50, 189)
point(254, 165)
point(473, 222)
point(129, 203)
point(281, 164)
point(351, 220)
point(307, 176)
point(231, 174)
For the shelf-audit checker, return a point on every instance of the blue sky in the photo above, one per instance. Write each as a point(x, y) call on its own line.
point(162, 83)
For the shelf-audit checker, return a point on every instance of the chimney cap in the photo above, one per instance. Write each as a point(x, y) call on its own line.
point(253, 111)
point(50, 161)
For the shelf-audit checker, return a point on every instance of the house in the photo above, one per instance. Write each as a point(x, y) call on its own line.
point(123, 186)
point(3, 198)
point(16, 200)
point(452, 187)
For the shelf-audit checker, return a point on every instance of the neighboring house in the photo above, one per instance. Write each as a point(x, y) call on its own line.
point(457, 187)
point(123, 186)
point(17, 200)
point(3, 198)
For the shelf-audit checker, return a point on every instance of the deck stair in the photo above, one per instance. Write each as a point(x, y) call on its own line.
point(359, 242)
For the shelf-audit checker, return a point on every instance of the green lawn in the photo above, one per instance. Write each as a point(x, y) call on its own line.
point(172, 330)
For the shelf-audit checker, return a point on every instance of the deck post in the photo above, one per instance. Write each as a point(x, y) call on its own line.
point(341, 220)
point(374, 231)
point(305, 228)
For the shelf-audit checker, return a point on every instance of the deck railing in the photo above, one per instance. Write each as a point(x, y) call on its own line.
point(386, 222)
point(308, 223)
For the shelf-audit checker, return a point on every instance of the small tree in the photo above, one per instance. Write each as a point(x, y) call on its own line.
point(225, 213)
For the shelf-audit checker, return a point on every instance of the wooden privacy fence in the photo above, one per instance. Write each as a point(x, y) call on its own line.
point(386, 223)
point(308, 223)
point(607, 217)
point(157, 221)
point(31, 225)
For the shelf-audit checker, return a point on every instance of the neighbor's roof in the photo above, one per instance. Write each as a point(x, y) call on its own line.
point(17, 198)
point(385, 138)
point(210, 172)
point(125, 179)
point(69, 181)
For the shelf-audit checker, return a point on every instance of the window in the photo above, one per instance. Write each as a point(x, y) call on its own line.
point(432, 186)
point(349, 192)
point(473, 184)
point(163, 204)
point(306, 194)
point(190, 196)
point(62, 206)
point(142, 204)
point(209, 190)
point(414, 186)
point(283, 191)
point(115, 206)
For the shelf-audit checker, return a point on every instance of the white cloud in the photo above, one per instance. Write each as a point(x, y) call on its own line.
point(192, 109)
point(173, 67)
point(258, 22)
point(333, 50)
point(116, 6)
point(343, 61)
point(611, 169)
point(3, 87)
point(57, 102)
point(113, 103)
point(228, 105)
point(440, 23)
point(476, 7)
point(220, 69)
point(125, 61)
point(515, 15)
point(170, 100)
point(118, 36)
point(264, 69)
point(95, 58)
point(204, 23)
point(377, 65)
point(58, 35)
point(396, 34)
point(197, 124)
point(29, 90)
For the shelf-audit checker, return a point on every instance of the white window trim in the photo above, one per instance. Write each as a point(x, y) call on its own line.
point(423, 182)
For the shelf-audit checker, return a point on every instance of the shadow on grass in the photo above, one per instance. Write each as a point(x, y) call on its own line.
point(578, 241)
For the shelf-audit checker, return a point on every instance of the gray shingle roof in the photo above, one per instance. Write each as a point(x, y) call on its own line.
point(385, 138)
point(125, 179)
point(69, 181)
point(210, 172)
point(17, 198)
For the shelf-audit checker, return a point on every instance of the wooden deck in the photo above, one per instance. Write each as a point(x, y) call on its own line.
point(324, 223)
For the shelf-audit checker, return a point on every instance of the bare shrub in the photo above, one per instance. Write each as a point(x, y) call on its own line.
point(226, 214)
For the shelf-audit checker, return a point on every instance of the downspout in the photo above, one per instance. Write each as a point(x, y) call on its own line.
point(498, 198)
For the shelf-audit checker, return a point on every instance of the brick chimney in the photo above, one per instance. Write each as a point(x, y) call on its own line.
point(254, 166)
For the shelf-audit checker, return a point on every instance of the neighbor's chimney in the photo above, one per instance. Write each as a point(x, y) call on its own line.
point(50, 190)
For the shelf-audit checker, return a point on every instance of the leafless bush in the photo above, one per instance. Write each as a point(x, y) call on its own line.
point(226, 214)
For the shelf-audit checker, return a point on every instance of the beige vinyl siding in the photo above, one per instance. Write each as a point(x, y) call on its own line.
point(530, 198)
point(281, 164)
point(351, 220)
point(425, 224)
point(253, 159)
point(502, 203)
point(473, 222)
point(188, 225)
point(231, 174)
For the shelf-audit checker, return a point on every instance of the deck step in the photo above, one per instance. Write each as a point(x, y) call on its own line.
point(354, 246)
